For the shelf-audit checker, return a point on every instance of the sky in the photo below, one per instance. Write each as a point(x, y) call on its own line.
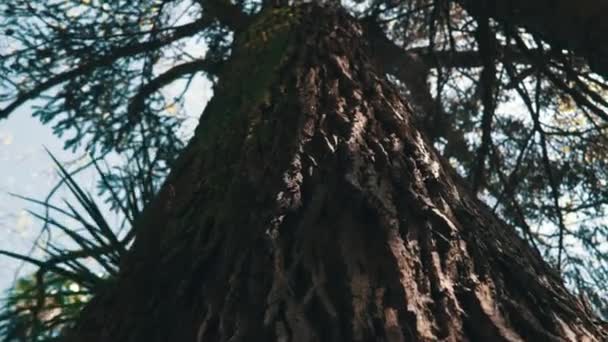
point(25, 169)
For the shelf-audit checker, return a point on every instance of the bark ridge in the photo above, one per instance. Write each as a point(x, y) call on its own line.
point(309, 208)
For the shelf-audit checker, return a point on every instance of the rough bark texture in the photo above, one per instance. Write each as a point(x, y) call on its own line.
point(308, 208)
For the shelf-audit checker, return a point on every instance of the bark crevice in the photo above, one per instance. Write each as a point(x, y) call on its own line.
point(311, 209)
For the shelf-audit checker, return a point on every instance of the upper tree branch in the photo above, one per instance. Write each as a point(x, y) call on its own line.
point(534, 110)
point(576, 95)
point(487, 85)
point(466, 58)
point(107, 59)
point(137, 102)
point(579, 26)
point(227, 13)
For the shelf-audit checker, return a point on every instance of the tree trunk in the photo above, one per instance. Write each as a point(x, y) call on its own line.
point(308, 208)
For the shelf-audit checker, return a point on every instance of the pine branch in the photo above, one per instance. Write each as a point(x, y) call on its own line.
point(114, 54)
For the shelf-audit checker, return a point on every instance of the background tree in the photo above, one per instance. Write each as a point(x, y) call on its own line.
point(515, 106)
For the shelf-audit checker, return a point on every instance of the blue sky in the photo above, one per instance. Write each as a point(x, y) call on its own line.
point(25, 169)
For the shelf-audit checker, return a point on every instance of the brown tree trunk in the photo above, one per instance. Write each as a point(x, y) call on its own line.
point(308, 208)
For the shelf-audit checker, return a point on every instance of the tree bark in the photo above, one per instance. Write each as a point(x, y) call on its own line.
point(309, 208)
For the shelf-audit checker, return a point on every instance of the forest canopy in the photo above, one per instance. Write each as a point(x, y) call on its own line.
point(513, 96)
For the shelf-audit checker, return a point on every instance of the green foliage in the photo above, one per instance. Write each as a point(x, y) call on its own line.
point(39, 306)
point(87, 62)
point(97, 69)
point(543, 166)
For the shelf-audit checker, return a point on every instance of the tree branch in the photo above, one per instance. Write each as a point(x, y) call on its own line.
point(114, 54)
point(412, 68)
point(137, 102)
point(577, 96)
point(466, 59)
point(487, 85)
point(579, 26)
point(227, 13)
point(534, 111)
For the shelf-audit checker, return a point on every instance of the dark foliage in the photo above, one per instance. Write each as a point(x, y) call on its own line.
point(524, 120)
